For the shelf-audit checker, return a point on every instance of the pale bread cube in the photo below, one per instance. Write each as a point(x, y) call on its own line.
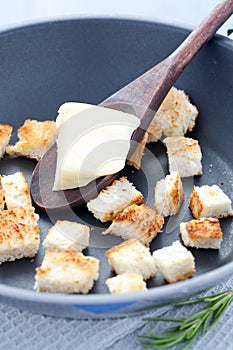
point(19, 234)
point(175, 116)
point(203, 233)
point(136, 158)
point(5, 135)
point(66, 272)
point(2, 199)
point(131, 257)
point(184, 156)
point(67, 235)
point(113, 199)
point(210, 201)
point(169, 195)
point(126, 283)
point(174, 262)
point(136, 221)
point(35, 138)
point(16, 190)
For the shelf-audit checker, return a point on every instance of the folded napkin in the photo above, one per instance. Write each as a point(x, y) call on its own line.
point(26, 331)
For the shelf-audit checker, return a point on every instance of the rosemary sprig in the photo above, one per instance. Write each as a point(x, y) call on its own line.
point(189, 328)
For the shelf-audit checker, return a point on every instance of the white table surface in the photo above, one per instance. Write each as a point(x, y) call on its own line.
point(179, 11)
point(22, 330)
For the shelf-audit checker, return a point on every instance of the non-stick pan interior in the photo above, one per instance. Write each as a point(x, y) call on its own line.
point(44, 65)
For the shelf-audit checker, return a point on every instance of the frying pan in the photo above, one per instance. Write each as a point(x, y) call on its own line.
point(46, 64)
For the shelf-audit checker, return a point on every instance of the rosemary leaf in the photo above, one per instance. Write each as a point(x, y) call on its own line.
point(189, 328)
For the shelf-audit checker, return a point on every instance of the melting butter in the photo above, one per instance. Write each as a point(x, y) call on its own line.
point(92, 142)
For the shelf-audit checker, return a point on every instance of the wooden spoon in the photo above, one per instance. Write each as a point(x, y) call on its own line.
point(147, 91)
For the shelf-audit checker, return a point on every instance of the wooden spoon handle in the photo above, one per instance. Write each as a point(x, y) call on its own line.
point(203, 33)
point(145, 94)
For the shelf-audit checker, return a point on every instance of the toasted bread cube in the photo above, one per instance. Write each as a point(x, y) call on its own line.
point(169, 195)
point(131, 257)
point(203, 233)
point(113, 199)
point(34, 139)
point(67, 235)
point(136, 221)
point(210, 201)
point(136, 158)
point(19, 234)
point(175, 116)
point(66, 272)
point(5, 135)
point(16, 190)
point(154, 131)
point(126, 283)
point(2, 199)
point(184, 156)
point(174, 262)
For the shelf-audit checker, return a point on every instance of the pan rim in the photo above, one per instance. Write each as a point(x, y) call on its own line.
point(160, 293)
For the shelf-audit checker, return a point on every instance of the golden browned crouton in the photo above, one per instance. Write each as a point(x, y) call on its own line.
point(5, 135)
point(175, 116)
point(136, 221)
point(184, 156)
point(35, 138)
point(19, 234)
point(66, 272)
point(210, 201)
point(16, 190)
point(169, 195)
point(203, 233)
point(131, 257)
point(126, 283)
point(67, 235)
point(174, 262)
point(113, 199)
point(136, 158)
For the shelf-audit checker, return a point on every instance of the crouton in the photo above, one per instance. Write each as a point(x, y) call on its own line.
point(67, 235)
point(174, 262)
point(169, 195)
point(126, 283)
point(210, 201)
point(34, 139)
point(175, 116)
point(136, 158)
point(136, 221)
point(5, 135)
point(154, 131)
point(131, 257)
point(16, 190)
point(203, 233)
point(184, 156)
point(113, 199)
point(66, 272)
point(2, 199)
point(19, 234)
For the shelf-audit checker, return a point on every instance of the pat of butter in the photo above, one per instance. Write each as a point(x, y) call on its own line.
point(92, 142)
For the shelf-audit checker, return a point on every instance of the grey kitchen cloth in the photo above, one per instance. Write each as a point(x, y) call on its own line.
point(26, 331)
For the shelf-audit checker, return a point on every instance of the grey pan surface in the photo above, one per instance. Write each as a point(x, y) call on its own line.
point(86, 60)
